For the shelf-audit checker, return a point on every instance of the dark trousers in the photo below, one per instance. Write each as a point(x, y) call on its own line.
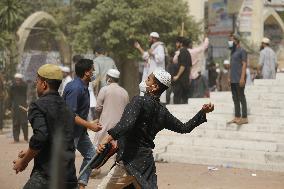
point(238, 94)
point(20, 121)
point(39, 181)
point(181, 93)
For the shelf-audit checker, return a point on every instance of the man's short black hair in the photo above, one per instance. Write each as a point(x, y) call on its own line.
point(76, 58)
point(179, 39)
point(99, 49)
point(82, 66)
point(162, 87)
point(53, 84)
point(236, 38)
point(186, 42)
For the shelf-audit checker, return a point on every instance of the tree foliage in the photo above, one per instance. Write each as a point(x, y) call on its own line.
point(117, 24)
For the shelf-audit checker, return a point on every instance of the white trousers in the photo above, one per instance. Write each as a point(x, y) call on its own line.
point(118, 178)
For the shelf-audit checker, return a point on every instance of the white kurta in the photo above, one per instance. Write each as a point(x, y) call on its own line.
point(154, 62)
point(65, 81)
point(111, 102)
point(268, 61)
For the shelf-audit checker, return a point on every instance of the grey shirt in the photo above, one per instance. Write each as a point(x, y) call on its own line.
point(102, 65)
point(237, 58)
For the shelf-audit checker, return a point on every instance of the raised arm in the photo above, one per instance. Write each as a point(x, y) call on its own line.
point(174, 124)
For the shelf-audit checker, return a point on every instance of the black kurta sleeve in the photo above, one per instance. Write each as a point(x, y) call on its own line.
point(174, 124)
point(128, 119)
point(39, 125)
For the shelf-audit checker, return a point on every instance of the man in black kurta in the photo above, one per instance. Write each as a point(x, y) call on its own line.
point(142, 119)
point(51, 120)
point(18, 97)
point(181, 79)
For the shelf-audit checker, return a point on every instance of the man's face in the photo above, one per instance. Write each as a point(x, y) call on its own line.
point(40, 86)
point(226, 66)
point(65, 74)
point(152, 87)
point(178, 45)
point(18, 81)
point(89, 74)
point(151, 40)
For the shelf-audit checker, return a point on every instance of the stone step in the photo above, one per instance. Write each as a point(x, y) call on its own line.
point(280, 77)
point(268, 82)
point(251, 156)
point(251, 97)
point(251, 110)
point(250, 127)
point(222, 119)
point(187, 140)
point(238, 135)
point(225, 162)
point(191, 109)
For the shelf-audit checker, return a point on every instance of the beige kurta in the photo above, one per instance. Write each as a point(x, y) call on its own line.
point(111, 102)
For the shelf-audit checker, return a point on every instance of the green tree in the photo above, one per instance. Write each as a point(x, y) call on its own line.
point(11, 14)
point(117, 24)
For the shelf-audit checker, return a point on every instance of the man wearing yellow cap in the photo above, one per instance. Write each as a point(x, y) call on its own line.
point(48, 115)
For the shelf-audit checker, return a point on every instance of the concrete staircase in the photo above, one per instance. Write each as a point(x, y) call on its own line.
point(258, 145)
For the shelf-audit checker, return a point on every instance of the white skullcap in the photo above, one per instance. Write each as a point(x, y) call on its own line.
point(113, 73)
point(65, 69)
point(19, 76)
point(163, 76)
point(154, 34)
point(226, 62)
point(265, 40)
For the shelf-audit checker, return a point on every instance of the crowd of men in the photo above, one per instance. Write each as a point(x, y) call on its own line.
point(92, 100)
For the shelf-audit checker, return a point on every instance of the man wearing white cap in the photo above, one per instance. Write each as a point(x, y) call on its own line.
point(142, 119)
point(154, 57)
point(223, 77)
point(66, 79)
point(111, 102)
point(267, 64)
point(18, 99)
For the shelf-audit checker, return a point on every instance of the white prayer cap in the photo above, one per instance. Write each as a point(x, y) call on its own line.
point(265, 40)
point(154, 34)
point(226, 62)
point(163, 76)
point(19, 76)
point(65, 69)
point(113, 73)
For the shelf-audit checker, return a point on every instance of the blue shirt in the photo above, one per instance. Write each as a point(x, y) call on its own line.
point(77, 97)
point(237, 58)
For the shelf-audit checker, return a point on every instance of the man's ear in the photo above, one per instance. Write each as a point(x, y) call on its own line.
point(45, 84)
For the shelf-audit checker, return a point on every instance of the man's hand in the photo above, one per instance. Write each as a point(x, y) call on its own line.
point(106, 140)
point(242, 82)
point(150, 51)
point(95, 126)
point(175, 78)
point(21, 154)
point(19, 165)
point(207, 108)
point(137, 45)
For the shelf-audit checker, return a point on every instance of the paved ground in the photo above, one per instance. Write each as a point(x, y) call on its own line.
point(170, 175)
